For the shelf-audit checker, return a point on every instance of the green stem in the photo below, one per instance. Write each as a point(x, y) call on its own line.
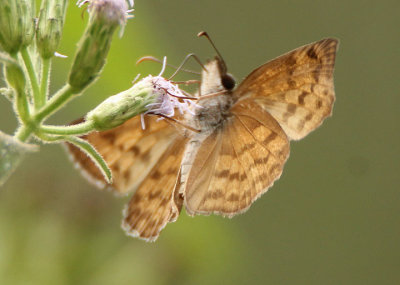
point(86, 147)
point(23, 133)
point(37, 96)
point(44, 81)
point(22, 107)
point(78, 129)
point(12, 70)
point(93, 154)
point(47, 138)
point(60, 98)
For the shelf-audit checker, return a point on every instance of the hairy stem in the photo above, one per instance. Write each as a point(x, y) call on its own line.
point(37, 96)
point(78, 129)
point(23, 133)
point(93, 154)
point(59, 99)
point(22, 106)
point(44, 81)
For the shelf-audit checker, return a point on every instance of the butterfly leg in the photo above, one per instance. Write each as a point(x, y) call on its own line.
point(184, 62)
point(152, 58)
point(177, 122)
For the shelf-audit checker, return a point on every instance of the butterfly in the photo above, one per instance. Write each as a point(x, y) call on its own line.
point(237, 154)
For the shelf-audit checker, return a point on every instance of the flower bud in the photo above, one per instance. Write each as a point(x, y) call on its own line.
point(13, 72)
point(105, 17)
point(16, 24)
point(116, 109)
point(50, 25)
point(15, 77)
point(154, 95)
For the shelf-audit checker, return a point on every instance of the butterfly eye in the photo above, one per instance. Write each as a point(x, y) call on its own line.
point(228, 81)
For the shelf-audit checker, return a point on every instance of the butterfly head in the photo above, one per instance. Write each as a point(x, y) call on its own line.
point(216, 78)
point(227, 79)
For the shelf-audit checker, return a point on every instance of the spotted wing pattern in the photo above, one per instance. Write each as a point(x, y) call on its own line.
point(296, 88)
point(237, 162)
point(129, 151)
point(156, 202)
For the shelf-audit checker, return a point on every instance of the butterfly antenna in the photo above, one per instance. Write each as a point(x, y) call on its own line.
point(184, 61)
point(204, 34)
point(151, 58)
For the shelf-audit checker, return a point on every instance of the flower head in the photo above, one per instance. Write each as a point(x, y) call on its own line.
point(151, 95)
point(169, 98)
point(105, 17)
point(114, 10)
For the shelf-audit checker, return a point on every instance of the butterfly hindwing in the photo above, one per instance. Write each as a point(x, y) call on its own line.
point(129, 151)
point(236, 163)
point(156, 202)
point(296, 88)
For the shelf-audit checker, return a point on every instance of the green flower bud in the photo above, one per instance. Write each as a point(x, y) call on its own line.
point(50, 25)
point(105, 17)
point(151, 95)
point(16, 79)
point(116, 109)
point(16, 24)
point(13, 72)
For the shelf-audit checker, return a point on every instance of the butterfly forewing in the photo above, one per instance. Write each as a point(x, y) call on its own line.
point(129, 151)
point(155, 203)
point(236, 163)
point(296, 88)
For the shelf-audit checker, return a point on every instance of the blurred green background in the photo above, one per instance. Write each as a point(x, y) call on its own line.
point(332, 218)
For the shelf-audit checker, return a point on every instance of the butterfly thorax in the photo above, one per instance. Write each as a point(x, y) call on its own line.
point(214, 108)
point(211, 115)
point(212, 112)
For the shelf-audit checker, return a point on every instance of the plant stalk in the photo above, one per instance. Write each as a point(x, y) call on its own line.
point(37, 96)
point(44, 81)
point(78, 129)
point(59, 99)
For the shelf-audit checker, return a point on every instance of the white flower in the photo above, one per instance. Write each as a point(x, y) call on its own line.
point(169, 98)
point(114, 9)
